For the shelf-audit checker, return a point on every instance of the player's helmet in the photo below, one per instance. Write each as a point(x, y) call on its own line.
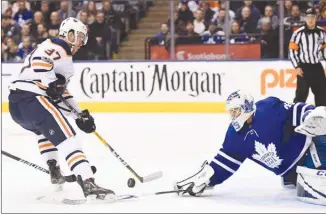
point(75, 25)
point(240, 107)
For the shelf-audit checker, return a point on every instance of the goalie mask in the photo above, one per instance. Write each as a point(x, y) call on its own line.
point(240, 107)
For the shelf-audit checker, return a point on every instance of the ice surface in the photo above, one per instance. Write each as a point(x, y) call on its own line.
point(177, 144)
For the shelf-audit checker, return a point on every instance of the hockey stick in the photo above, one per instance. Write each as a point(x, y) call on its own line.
point(151, 177)
point(148, 178)
point(69, 178)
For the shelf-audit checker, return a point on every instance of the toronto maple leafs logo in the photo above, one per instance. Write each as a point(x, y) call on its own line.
point(267, 155)
point(248, 106)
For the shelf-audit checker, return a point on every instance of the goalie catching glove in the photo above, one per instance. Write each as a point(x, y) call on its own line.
point(86, 122)
point(197, 183)
point(314, 122)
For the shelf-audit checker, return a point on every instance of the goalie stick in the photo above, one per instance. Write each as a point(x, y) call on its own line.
point(142, 179)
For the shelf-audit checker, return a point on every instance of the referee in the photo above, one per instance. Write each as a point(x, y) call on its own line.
point(306, 44)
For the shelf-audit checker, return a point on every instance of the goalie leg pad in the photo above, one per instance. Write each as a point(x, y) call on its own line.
point(311, 185)
point(317, 154)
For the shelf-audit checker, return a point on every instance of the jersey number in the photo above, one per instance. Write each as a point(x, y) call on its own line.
point(51, 51)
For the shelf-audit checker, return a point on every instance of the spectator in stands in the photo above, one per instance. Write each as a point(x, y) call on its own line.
point(11, 28)
point(15, 6)
point(237, 36)
point(215, 4)
point(42, 34)
point(210, 36)
point(199, 22)
point(101, 32)
point(175, 18)
point(161, 37)
point(53, 27)
point(63, 11)
point(110, 15)
point(190, 30)
point(222, 7)
point(254, 12)
point(269, 14)
point(91, 11)
point(45, 12)
point(268, 40)
point(9, 51)
point(322, 12)
point(8, 12)
point(288, 8)
point(25, 49)
point(38, 19)
point(295, 19)
point(185, 14)
point(83, 15)
point(23, 15)
point(220, 21)
point(208, 12)
point(247, 25)
point(26, 33)
point(78, 5)
point(181, 29)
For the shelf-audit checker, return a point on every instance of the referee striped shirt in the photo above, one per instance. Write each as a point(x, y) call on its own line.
point(306, 46)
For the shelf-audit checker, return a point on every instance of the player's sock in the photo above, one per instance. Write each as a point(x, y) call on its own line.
point(47, 149)
point(75, 158)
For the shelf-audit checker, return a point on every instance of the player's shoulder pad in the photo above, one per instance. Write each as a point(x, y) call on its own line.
point(61, 46)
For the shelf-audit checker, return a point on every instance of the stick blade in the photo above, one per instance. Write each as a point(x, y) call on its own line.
point(152, 177)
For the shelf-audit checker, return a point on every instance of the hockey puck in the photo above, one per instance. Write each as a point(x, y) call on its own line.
point(131, 182)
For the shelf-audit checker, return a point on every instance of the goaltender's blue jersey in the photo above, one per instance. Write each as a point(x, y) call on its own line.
point(269, 141)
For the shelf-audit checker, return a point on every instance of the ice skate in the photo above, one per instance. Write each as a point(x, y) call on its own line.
point(55, 173)
point(91, 189)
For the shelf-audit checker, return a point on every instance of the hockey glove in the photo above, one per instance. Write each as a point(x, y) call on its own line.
point(86, 122)
point(314, 122)
point(197, 183)
point(56, 88)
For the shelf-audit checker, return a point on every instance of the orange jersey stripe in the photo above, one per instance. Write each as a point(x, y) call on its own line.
point(45, 145)
point(42, 64)
point(61, 121)
point(40, 85)
point(76, 157)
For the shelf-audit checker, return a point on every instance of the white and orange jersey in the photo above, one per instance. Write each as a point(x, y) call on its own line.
point(51, 57)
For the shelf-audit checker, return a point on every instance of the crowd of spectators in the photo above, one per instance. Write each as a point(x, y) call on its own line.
point(27, 23)
point(205, 22)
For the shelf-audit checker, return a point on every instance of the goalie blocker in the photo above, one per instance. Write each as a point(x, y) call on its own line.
point(297, 132)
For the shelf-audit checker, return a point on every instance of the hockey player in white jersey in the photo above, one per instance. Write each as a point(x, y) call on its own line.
point(35, 105)
point(287, 139)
